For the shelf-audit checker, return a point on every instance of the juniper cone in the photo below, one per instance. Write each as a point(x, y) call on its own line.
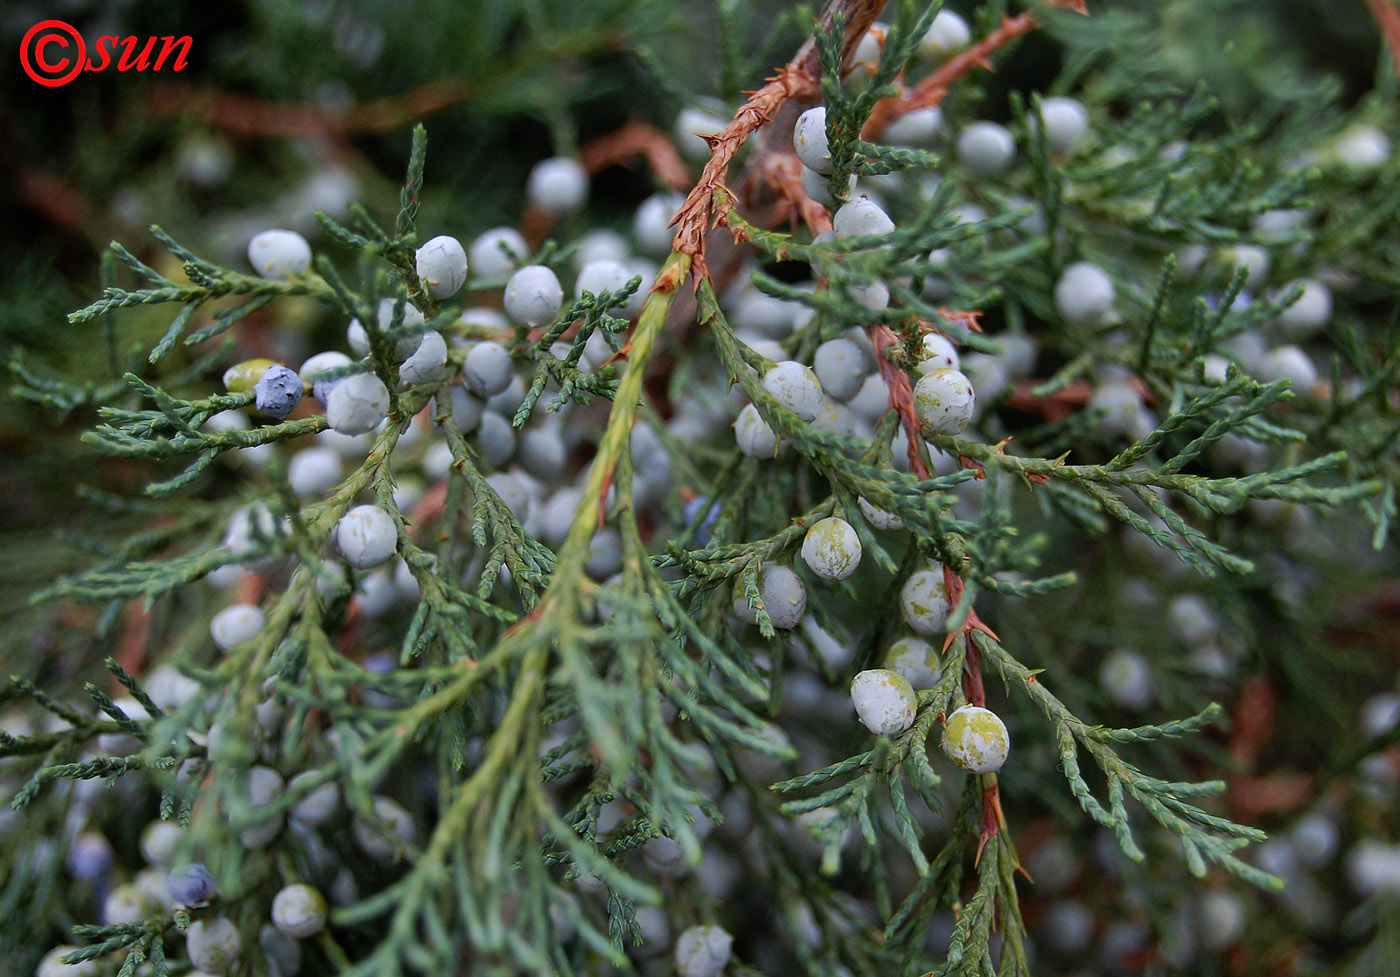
point(577, 488)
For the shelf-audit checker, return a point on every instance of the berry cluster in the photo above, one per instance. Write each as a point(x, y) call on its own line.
point(569, 599)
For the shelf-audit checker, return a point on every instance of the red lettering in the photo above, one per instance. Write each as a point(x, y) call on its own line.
point(105, 46)
point(126, 53)
point(181, 59)
point(39, 53)
point(143, 60)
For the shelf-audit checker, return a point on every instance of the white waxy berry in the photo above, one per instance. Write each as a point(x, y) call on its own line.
point(1066, 123)
point(128, 905)
point(264, 788)
point(916, 660)
point(923, 600)
point(946, 36)
point(508, 401)
point(556, 516)
point(513, 493)
point(753, 310)
point(1380, 714)
point(299, 911)
point(753, 435)
point(533, 295)
point(702, 951)
point(358, 339)
point(879, 518)
point(1190, 618)
point(796, 387)
point(1018, 354)
point(601, 244)
point(376, 595)
point(496, 253)
point(1084, 294)
point(692, 124)
point(487, 369)
point(542, 451)
point(1118, 404)
point(278, 392)
point(1306, 317)
point(170, 689)
point(939, 354)
point(867, 53)
point(1288, 363)
point(1127, 678)
point(213, 945)
point(315, 367)
point(442, 265)
point(884, 701)
point(278, 254)
point(861, 217)
point(1256, 262)
point(604, 554)
point(558, 185)
point(466, 410)
point(52, 965)
point(251, 528)
point(832, 549)
point(783, 595)
point(976, 739)
point(810, 143)
point(1362, 147)
point(815, 185)
point(986, 148)
point(840, 367)
point(874, 296)
point(385, 836)
point(604, 275)
point(281, 954)
point(428, 364)
point(919, 128)
point(319, 805)
point(651, 225)
point(1223, 920)
point(496, 437)
point(357, 404)
point(944, 401)
point(234, 625)
point(366, 536)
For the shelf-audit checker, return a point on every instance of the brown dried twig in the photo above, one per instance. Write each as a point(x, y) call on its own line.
point(637, 139)
point(798, 79)
point(929, 92)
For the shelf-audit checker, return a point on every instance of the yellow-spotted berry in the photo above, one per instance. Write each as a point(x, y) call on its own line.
point(243, 377)
point(976, 739)
point(944, 401)
point(884, 701)
point(831, 549)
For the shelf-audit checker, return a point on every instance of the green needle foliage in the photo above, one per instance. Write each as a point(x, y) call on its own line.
point(575, 717)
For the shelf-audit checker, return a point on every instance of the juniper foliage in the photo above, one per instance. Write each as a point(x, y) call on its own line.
point(560, 746)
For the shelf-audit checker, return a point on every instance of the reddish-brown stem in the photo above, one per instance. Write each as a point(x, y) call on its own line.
point(901, 393)
point(1387, 17)
point(929, 92)
point(973, 688)
point(798, 79)
point(993, 818)
point(637, 139)
point(782, 173)
point(136, 635)
point(350, 630)
point(244, 115)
